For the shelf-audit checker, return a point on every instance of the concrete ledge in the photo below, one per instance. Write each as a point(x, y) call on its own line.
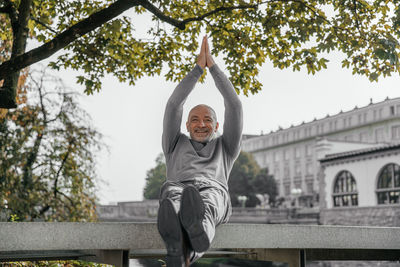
point(306, 236)
point(133, 236)
point(114, 243)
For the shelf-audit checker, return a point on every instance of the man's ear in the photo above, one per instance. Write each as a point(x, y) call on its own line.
point(187, 126)
point(216, 127)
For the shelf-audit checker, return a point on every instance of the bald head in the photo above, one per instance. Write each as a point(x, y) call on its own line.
point(202, 123)
point(204, 106)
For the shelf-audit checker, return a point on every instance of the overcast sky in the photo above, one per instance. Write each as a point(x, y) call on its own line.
point(130, 117)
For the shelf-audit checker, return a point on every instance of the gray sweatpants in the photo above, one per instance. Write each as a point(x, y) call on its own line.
point(215, 198)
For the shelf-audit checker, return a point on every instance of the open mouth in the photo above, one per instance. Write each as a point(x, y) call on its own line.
point(201, 132)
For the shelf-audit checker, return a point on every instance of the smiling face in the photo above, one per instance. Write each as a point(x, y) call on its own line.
point(202, 123)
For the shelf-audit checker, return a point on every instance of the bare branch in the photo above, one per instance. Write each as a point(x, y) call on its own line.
point(67, 197)
point(27, 172)
point(55, 190)
point(43, 24)
point(42, 108)
point(44, 209)
point(27, 177)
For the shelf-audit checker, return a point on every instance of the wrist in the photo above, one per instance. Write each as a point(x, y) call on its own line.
point(201, 65)
point(210, 62)
point(198, 69)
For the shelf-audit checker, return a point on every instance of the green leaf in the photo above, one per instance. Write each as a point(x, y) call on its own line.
point(374, 76)
point(380, 53)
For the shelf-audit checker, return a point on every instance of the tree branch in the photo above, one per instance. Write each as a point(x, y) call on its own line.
point(47, 207)
point(67, 197)
point(92, 22)
point(42, 108)
point(68, 36)
point(55, 190)
point(27, 171)
point(11, 10)
point(43, 24)
point(20, 35)
point(181, 24)
point(157, 12)
point(43, 210)
point(27, 176)
point(217, 10)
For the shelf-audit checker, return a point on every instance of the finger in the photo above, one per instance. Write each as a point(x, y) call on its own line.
point(204, 44)
point(207, 47)
point(202, 47)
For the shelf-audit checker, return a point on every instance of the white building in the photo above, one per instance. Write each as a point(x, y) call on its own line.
point(291, 154)
point(362, 178)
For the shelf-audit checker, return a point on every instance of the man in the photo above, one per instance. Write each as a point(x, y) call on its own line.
point(195, 199)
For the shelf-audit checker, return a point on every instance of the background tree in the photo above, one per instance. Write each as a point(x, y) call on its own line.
point(97, 39)
point(264, 183)
point(246, 179)
point(47, 162)
point(155, 177)
point(243, 172)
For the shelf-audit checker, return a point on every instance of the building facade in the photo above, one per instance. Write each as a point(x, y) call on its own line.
point(291, 154)
point(361, 178)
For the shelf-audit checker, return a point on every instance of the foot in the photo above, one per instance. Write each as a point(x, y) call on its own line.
point(192, 215)
point(170, 230)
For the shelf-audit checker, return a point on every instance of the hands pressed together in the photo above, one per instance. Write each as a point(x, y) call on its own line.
point(205, 59)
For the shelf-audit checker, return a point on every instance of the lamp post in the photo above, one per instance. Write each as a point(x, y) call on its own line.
point(296, 192)
point(242, 200)
point(4, 211)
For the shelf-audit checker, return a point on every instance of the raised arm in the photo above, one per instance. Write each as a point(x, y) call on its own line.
point(233, 123)
point(174, 109)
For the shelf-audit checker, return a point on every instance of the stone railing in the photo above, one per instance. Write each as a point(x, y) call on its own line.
point(274, 216)
point(146, 211)
point(137, 211)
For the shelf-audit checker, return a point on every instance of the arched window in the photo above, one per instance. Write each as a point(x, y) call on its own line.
point(388, 189)
point(345, 190)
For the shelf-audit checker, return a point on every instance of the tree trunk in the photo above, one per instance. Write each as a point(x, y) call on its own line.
point(20, 35)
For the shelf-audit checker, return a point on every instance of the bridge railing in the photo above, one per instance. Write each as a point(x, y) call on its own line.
point(115, 243)
point(146, 211)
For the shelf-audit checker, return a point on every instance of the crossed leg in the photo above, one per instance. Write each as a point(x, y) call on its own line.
point(202, 208)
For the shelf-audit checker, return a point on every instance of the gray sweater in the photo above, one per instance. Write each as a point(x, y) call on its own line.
point(187, 159)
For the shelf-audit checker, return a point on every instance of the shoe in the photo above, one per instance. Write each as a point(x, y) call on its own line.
point(170, 230)
point(192, 215)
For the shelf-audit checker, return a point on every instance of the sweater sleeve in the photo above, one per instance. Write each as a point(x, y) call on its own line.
point(174, 109)
point(233, 124)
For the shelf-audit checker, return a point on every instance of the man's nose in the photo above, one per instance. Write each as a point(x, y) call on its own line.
point(201, 123)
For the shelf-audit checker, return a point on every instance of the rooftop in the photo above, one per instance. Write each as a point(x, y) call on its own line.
point(341, 112)
point(358, 152)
